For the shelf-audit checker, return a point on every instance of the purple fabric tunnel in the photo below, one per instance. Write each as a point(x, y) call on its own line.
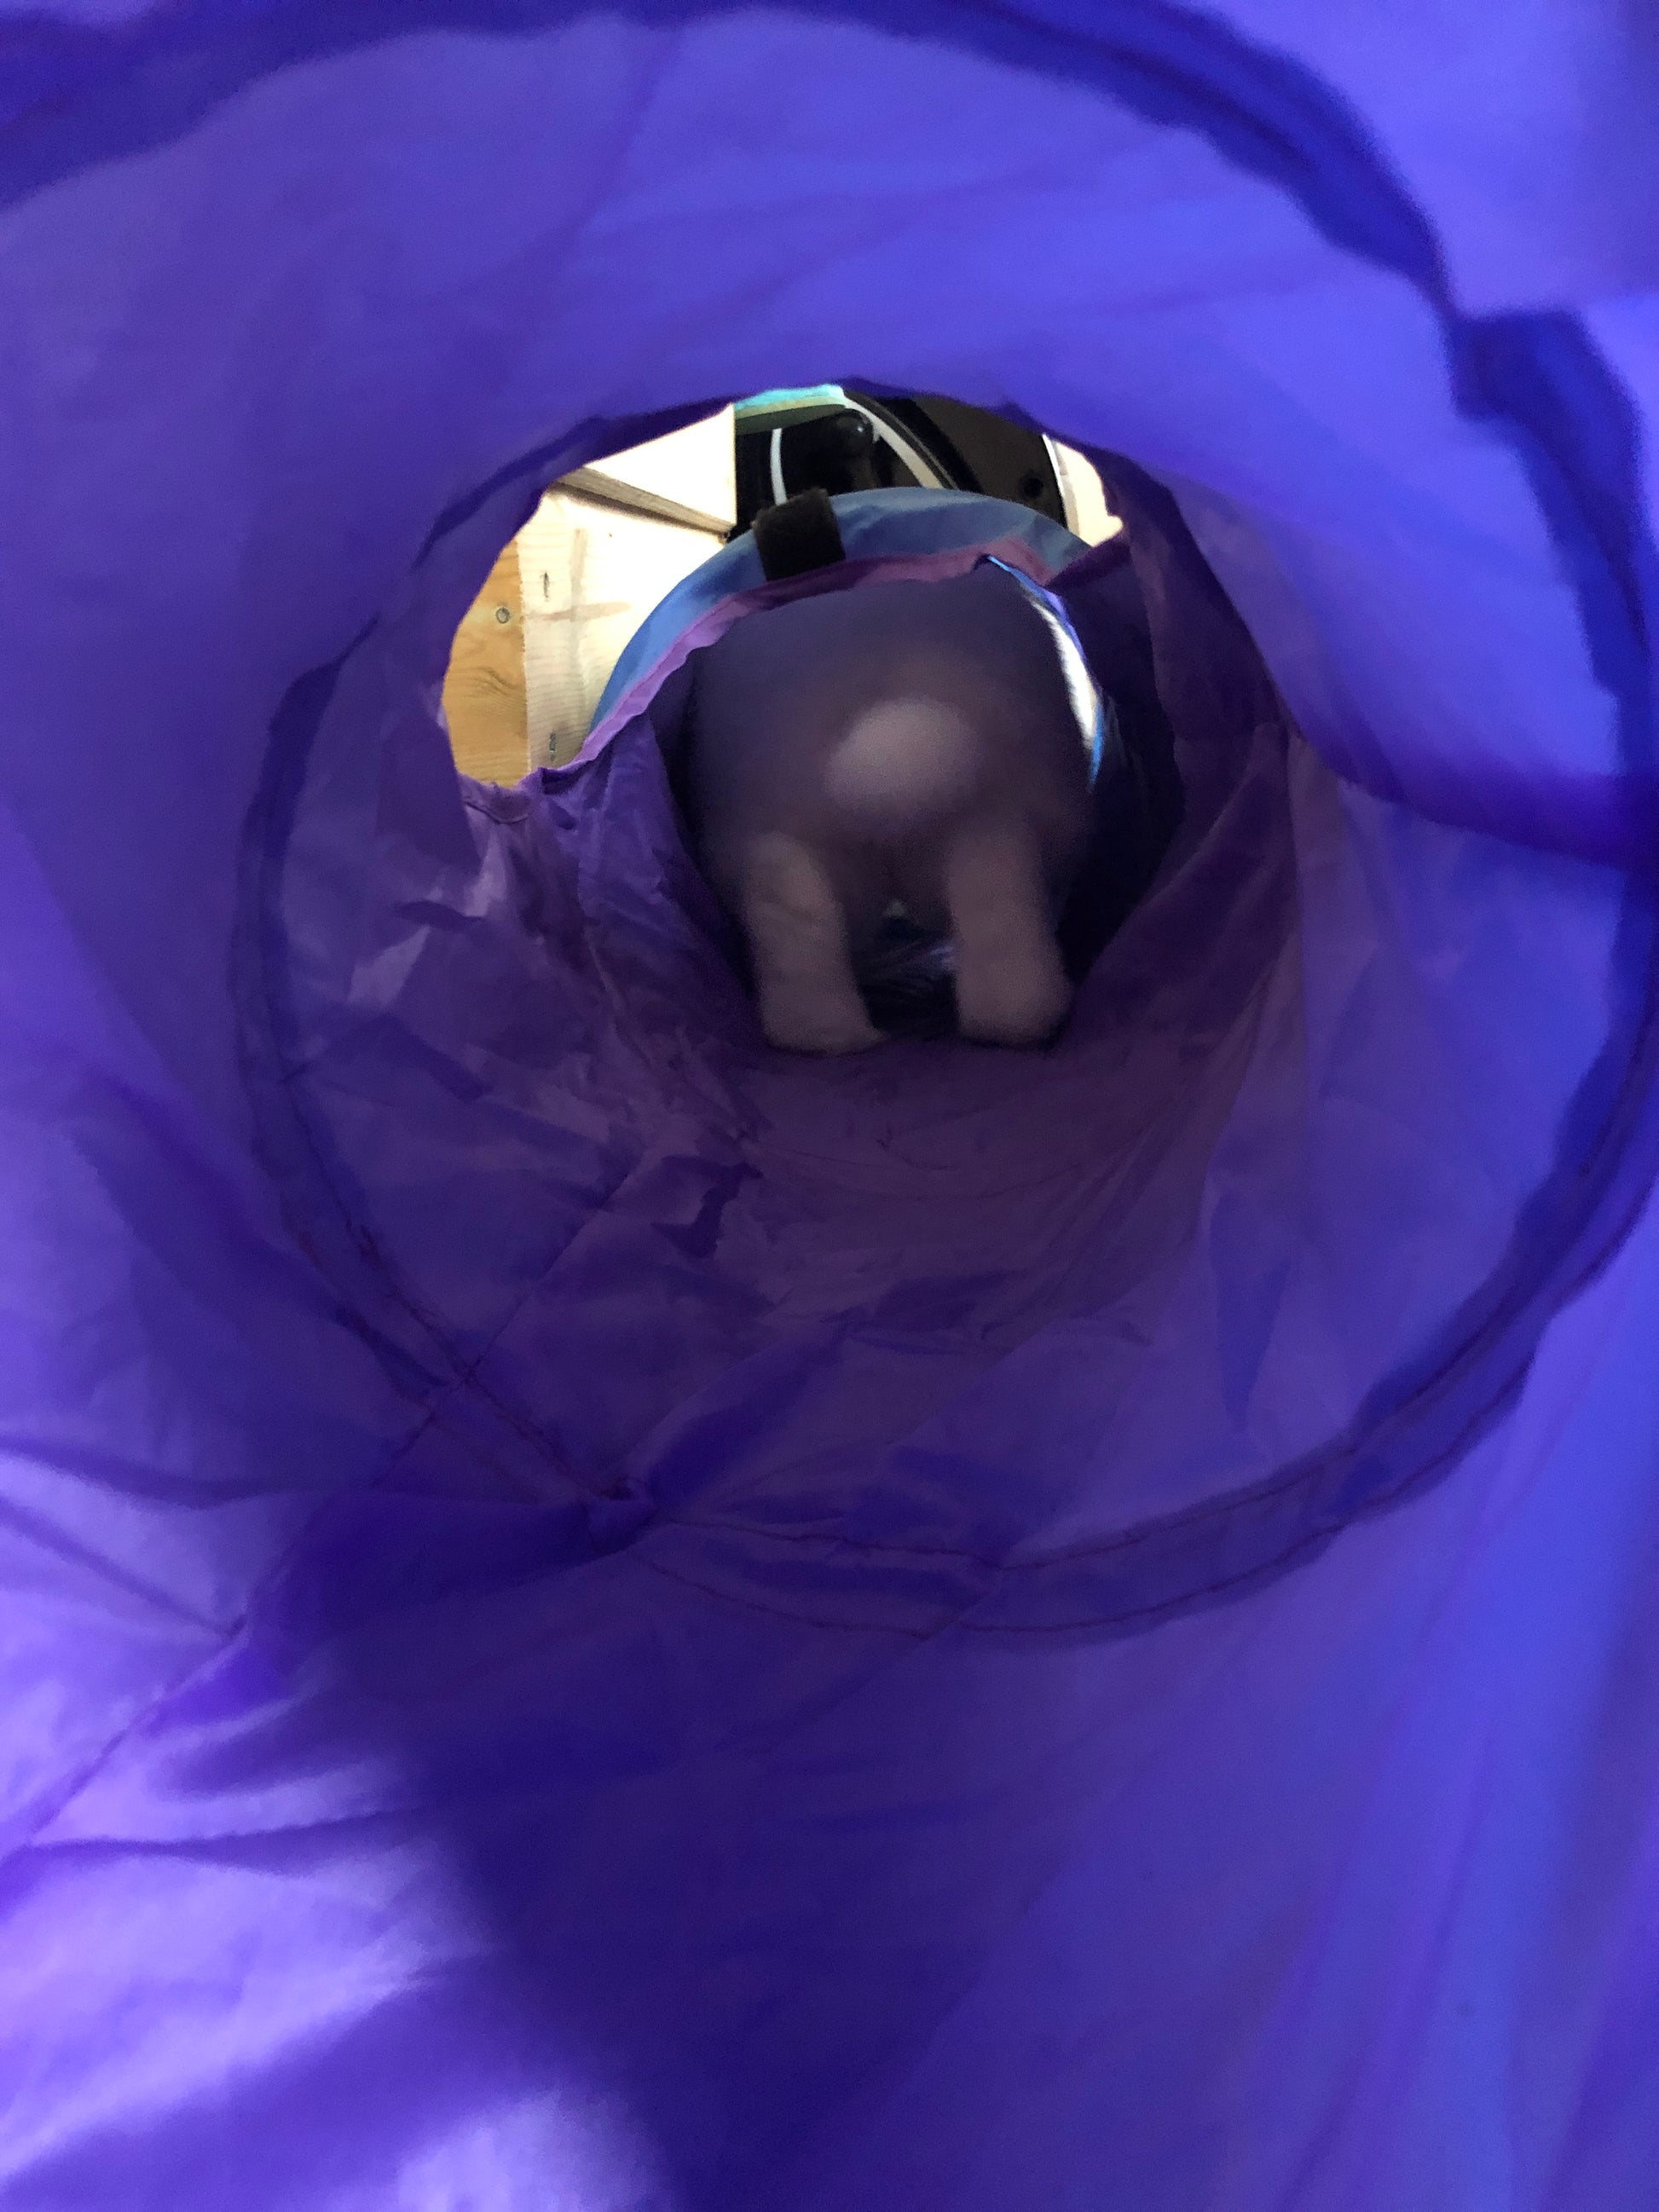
point(595, 1616)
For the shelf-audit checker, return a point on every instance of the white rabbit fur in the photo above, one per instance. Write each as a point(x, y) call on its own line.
point(892, 744)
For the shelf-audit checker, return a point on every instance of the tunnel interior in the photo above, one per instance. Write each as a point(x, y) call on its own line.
point(691, 1570)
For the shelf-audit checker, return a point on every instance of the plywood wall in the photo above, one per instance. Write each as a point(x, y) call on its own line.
point(592, 573)
point(484, 688)
point(536, 649)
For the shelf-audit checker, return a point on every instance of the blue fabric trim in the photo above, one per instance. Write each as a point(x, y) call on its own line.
point(874, 525)
point(771, 403)
point(1103, 729)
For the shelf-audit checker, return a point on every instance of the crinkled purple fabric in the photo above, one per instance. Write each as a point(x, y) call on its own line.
point(596, 1616)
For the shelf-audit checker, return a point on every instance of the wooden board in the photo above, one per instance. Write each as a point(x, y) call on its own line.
point(527, 668)
point(1086, 513)
point(483, 690)
point(694, 470)
point(592, 574)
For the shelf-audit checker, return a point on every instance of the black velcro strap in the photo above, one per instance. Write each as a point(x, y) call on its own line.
point(799, 535)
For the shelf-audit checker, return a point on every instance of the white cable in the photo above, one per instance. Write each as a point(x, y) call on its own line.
point(920, 467)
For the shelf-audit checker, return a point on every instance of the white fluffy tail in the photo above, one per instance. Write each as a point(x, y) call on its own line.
point(903, 767)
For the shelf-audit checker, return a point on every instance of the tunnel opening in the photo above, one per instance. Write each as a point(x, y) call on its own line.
point(531, 662)
point(538, 667)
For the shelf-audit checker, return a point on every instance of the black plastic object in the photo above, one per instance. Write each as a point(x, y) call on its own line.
point(978, 451)
point(870, 444)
